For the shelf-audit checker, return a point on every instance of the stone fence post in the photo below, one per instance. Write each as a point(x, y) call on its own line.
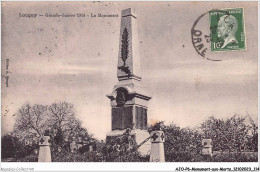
point(44, 149)
point(157, 146)
point(207, 147)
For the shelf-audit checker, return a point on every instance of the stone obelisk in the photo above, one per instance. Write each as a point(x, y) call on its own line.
point(128, 98)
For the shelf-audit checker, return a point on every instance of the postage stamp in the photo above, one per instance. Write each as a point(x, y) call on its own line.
point(227, 29)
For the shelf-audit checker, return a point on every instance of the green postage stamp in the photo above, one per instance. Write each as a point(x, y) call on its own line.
point(227, 29)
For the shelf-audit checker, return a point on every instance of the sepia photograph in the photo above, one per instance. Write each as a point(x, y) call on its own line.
point(143, 81)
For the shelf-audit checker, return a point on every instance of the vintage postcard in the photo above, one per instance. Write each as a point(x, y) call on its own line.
point(140, 82)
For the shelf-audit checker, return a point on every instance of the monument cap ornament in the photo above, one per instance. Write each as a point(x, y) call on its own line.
point(207, 143)
point(44, 141)
point(157, 137)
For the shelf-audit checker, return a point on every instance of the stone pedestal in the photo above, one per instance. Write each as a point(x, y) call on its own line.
point(129, 110)
point(157, 147)
point(44, 150)
point(207, 147)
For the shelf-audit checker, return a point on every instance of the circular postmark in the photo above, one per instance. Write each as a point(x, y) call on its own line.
point(206, 32)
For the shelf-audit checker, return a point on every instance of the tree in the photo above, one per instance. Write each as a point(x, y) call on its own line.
point(31, 120)
point(231, 134)
point(13, 148)
point(63, 121)
point(59, 118)
point(9, 146)
point(253, 142)
point(62, 115)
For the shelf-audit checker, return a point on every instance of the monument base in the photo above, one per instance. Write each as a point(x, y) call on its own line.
point(138, 135)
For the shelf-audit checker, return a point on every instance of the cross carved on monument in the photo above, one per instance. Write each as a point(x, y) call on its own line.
point(41, 140)
point(162, 136)
point(154, 137)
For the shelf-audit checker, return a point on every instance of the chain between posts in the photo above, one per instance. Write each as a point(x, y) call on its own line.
point(120, 137)
point(145, 140)
point(133, 148)
point(122, 146)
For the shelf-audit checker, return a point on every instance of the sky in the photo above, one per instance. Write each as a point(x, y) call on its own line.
point(75, 60)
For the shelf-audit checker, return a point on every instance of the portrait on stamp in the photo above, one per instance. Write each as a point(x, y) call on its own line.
point(227, 28)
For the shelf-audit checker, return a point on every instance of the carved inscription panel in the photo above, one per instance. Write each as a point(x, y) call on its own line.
point(122, 118)
point(141, 118)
